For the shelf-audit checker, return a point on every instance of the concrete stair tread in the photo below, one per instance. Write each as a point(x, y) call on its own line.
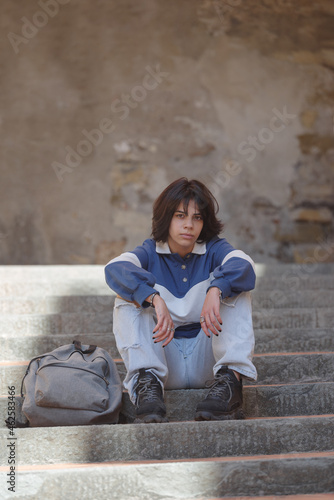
point(69, 465)
point(186, 480)
point(53, 304)
point(87, 271)
point(98, 287)
point(294, 339)
point(75, 314)
point(279, 400)
point(101, 322)
point(267, 341)
point(273, 368)
point(284, 447)
point(174, 441)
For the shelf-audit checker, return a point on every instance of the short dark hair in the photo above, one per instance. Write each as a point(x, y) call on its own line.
point(183, 190)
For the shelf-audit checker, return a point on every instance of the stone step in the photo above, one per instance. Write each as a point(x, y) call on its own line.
point(274, 368)
point(293, 268)
point(57, 304)
point(306, 474)
point(42, 481)
point(51, 272)
point(175, 440)
point(52, 324)
point(284, 446)
point(40, 280)
point(51, 304)
point(89, 322)
point(82, 287)
point(317, 282)
point(282, 299)
point(18, 348)
point(65, 288)
point(23, 348)
point(33, 475)
point(293, 318)
point(88, 272)
point(294, 340)
point(299, 367)
point(260, 401)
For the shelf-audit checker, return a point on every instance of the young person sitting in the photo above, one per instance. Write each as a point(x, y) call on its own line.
point(183, 314)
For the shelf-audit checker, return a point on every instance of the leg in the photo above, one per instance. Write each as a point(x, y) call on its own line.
point(190, 362)
point(233, 351)
point(133, 327)
point(234, 347)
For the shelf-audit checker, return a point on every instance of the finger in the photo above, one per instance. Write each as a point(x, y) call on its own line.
point(161, 336)
point(212, 325)
point(215, 323)
point(203, 324)
point(162, 333)
point(218, 316)
point(212, 329)
point(160, 324)
point(205, 329)
point(157, 327)
point(169, 338)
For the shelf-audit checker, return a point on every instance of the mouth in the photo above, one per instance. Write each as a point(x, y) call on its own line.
point(187, 236)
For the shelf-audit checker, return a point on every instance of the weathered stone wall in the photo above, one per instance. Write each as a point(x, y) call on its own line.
point(104, 103)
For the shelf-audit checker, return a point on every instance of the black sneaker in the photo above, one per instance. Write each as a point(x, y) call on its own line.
point(224, 400)
point(150, 407)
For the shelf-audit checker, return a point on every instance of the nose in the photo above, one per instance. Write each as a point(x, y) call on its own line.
point(188, 221)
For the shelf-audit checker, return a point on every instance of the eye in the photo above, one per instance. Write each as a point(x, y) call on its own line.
point(179, 216)
point(198, 217)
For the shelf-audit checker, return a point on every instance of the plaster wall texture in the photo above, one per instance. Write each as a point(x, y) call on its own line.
point(104, 104)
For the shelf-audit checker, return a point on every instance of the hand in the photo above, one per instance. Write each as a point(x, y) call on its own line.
point(210, 313)
point(164, 329)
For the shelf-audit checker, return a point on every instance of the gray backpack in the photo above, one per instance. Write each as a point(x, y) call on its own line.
point(72, 385)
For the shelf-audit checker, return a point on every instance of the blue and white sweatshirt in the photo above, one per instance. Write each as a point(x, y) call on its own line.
point(181, 282)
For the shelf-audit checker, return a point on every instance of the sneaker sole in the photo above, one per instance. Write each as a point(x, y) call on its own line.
point(150, 419)
point(207, 415)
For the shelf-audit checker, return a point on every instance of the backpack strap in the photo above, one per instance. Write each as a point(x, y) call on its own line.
point(78, 347)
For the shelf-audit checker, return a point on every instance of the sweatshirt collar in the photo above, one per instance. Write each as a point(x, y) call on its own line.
point(163, 248)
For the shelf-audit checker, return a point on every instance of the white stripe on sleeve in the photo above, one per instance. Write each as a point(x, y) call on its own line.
point(127, 257)
point(241, 255)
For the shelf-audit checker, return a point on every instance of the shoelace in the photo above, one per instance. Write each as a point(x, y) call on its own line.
point(148, 389)
point(221, 387)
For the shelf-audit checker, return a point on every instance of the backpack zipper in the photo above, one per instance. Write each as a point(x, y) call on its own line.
point(73, 368)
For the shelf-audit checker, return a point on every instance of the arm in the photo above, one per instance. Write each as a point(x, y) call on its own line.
point(128, 276)
point(235, 275)
point(164, 329)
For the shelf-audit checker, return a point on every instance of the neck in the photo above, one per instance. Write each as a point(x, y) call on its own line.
point(181, 252)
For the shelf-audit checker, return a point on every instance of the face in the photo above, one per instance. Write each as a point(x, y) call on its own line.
point(184, 229)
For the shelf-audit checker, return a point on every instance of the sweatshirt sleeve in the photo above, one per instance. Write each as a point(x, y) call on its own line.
point(127, 276)
point(236, 274)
